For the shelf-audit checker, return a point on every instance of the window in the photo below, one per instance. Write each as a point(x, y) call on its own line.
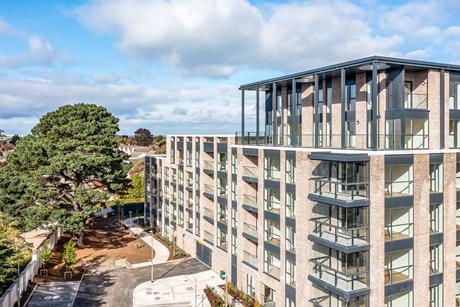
point(222, 213)
point(289, 302)
point(436, 296)
point(290, 273)
point(290, 239)
point(222, 239)
point(454, 133)
point(290, 205)
point(271, 264)
point(272, 200)
point(233, 245)
point(189, 157)
point(398, 180)
point(436, 259)
point(234, 161)
point(181, 177)
point(233, 190)
point(250, 285)
point(436, 218)
point(399, 300)
point(272, 168)
point(197, 156)
point(290, 170)
point(399, 223)
point(272, 232)
point(436, 177)
point(416, 133)
point(181, 218)
point(222, 162)
point(234, 223)
point(222, 187)
point(197, 181)
point(393, 134)
point(197, 226)
point(398, 266)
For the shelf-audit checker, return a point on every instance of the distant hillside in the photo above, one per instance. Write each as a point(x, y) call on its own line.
point(158, 144)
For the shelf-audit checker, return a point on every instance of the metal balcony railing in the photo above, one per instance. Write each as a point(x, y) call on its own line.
point(398, 274)
point(348, 281)
point(346, 236)
point(346, 190)
point(273, 206)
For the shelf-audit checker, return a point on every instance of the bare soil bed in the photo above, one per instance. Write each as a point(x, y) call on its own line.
point(104, 243)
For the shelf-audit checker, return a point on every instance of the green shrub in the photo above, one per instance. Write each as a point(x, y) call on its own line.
point(70, 253)
point(45, 256)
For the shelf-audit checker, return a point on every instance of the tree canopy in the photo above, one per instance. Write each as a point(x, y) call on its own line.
point(143, 137)
point(66, 169)
point(13, 252)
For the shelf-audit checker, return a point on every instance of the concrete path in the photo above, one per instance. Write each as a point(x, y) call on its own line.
point(181, 290)
point(161, 251)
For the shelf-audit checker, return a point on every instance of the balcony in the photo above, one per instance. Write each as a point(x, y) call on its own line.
point(222, 217)
point(250, 174)
point(208, 237)
point(273, 206)
point(173, 180)
point(208, 191)
point(250, 259)
point(342, 193)
point(208, 167)
point(250, 203)
point(222, 166)
point(250, 232)
point(222, 191)
point(208, 215)
point(354, 279)
point(346, 239)
point(415, 101)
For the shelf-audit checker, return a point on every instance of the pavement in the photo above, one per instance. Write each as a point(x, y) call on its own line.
point(116, 288)
point(181, 290)
point(53, 294)
point(161, 251)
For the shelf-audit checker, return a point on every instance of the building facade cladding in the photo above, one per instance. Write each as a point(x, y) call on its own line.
point(361, 210)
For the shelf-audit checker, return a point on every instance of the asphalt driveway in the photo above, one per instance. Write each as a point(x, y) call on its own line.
point(115, 288)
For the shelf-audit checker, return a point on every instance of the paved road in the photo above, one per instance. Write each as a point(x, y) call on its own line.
point(115, 288)
point(52, 294)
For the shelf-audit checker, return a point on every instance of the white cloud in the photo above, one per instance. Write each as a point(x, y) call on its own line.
point(215, 38)
point(167, 108)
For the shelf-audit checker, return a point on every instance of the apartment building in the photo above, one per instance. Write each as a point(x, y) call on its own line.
point(344, 195)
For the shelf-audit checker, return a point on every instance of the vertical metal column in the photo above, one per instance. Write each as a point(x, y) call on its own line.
point(374, 111)
point(274, 119)
point(442, 106)
point(242, 116)
point(294, 107)
point(343, 102)
point(315, 107)
point(257, 116)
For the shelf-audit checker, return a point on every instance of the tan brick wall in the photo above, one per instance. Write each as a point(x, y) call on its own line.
point(450, 229)
point(377, 239)
point(434, 101)
point(421, 229)
point(361, 110)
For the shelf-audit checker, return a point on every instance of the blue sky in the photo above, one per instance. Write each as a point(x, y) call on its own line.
point(175, 66)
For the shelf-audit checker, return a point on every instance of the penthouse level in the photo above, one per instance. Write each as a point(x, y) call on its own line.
point(374, 103)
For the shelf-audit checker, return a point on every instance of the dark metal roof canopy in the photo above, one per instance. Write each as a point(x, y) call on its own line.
point(359, 64)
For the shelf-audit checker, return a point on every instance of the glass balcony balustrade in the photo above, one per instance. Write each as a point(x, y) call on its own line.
point(345, 277)
point(209, 189)
point(250, 171)
point(250, 200)
point(208, 213)
point(250, 259)
point(250, 230)
point(334, 188)
point(342, 235)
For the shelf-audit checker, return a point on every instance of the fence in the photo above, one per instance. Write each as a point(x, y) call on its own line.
point(10, 297)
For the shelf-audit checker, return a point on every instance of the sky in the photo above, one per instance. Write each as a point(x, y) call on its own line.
point(174, 66)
